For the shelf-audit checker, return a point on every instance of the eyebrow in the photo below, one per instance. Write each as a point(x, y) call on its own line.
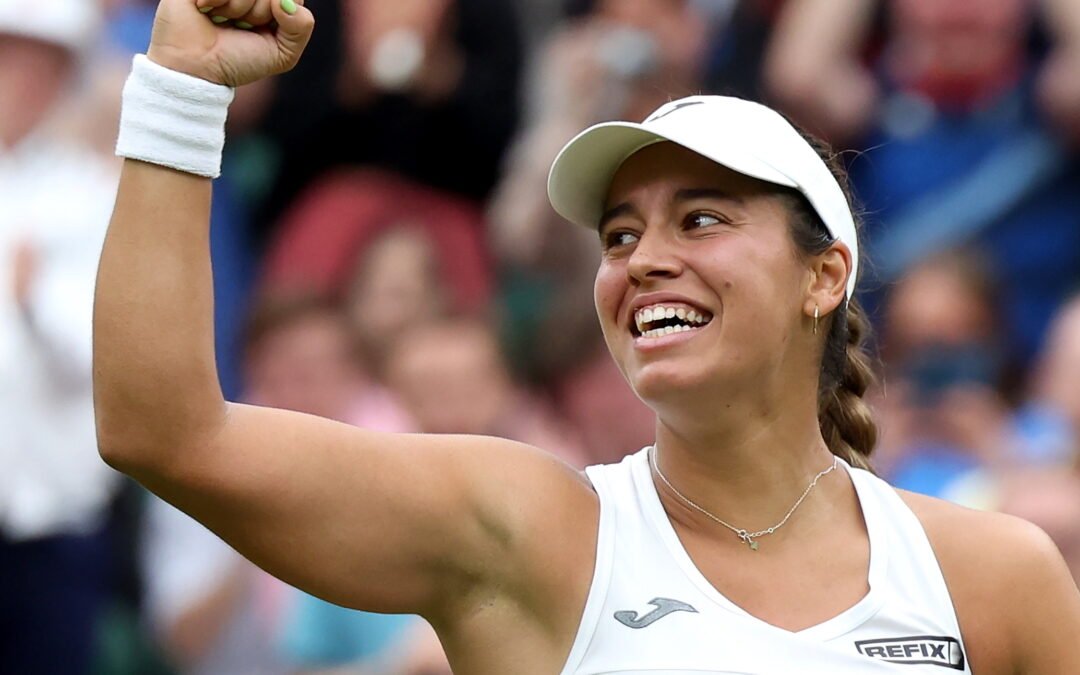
point(614, 212)
point(683, 195)
point(690, 194)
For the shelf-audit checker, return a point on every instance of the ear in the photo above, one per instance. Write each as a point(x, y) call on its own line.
point(828, 276)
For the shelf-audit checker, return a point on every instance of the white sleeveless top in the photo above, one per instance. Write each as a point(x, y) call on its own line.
point(650, 611)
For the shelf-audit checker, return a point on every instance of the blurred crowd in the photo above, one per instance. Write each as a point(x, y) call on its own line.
point(384, 255)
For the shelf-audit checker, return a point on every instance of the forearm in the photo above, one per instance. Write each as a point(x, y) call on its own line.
point(155, 382)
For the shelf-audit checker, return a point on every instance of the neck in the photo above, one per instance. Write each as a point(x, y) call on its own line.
point(749, 473)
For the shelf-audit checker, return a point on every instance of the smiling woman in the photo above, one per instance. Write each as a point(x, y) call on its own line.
point(746, 539)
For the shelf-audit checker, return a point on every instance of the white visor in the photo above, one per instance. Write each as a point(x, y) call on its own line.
point(746, 137)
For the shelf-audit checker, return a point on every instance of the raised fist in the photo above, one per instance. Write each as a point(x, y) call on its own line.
point(232, 42)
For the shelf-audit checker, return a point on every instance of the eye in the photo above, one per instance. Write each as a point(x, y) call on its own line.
point(617, 238)
point(700, 219)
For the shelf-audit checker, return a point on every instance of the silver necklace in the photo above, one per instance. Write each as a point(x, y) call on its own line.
point(746, 536)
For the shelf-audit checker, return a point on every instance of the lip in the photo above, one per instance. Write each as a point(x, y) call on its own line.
point(647, 299)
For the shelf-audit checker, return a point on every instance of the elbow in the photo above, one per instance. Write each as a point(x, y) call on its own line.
point(121, 449)
point(141, 449)
point(138, 438)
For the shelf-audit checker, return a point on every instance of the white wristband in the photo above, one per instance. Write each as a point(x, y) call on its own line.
point(173, 119)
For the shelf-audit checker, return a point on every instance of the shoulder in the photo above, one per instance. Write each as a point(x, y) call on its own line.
point(539, 513)
point(1013, 593)
point(528, 587)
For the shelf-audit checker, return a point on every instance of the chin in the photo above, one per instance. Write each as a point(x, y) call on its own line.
point(655, 383)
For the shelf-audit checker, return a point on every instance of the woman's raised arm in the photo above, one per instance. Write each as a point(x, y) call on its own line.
point(379, 521)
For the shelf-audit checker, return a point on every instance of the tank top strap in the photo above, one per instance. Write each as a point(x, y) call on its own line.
point(605, 479)
point(913, 575)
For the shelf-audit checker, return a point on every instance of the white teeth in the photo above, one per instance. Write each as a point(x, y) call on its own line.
point(691, 319)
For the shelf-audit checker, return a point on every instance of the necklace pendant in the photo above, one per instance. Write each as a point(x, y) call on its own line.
point(747, 539)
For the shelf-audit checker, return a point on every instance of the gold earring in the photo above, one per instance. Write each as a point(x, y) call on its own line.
point(817, 313)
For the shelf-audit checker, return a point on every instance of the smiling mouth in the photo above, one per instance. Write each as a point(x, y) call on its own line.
point(666, 319)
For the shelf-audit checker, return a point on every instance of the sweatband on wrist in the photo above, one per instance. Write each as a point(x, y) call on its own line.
point(173, 119)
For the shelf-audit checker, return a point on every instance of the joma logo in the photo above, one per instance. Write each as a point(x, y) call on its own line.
point(917, 649)
point(664, 606)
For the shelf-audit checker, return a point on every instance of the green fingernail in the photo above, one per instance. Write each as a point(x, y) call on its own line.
point(206, 10)
point(244, 25)
point(289, 6)
point(219, 19)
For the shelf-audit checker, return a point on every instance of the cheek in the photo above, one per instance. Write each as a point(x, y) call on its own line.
point(608, 291)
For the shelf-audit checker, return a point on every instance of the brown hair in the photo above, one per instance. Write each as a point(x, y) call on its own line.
point(847, 424)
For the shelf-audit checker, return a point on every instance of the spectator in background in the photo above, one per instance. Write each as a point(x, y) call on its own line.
point(301, 355)
point(453, 378)
point(1043, 486)
point(737, 50)
point(603, 410)
point(56, 194)
point(966, 129)
point(392, 250)
point(1048, 425)
point(942, 415)
point(396, 284)
point(427, 89)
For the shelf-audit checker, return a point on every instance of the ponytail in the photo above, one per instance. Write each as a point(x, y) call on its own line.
point(847, 425)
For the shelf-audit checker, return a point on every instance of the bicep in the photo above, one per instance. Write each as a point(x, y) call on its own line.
point(384, 522)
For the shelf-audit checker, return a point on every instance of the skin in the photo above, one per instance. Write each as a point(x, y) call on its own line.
point(494, 541)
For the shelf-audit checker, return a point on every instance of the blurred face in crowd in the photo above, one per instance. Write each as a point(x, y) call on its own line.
point(33, 75)
point(397, 285)
point(666, 38)
point(607, 414)
point(451, 377)
point(959, 38)
point(305, 364)
point(935, 306)
point(685, 234)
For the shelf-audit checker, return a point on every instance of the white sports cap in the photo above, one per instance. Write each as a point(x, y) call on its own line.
point(71, 24)
point(746, 137)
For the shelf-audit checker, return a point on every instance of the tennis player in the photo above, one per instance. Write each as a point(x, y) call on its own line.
point(748, 539)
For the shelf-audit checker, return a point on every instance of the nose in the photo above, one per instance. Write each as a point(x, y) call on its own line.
point(654, 257)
